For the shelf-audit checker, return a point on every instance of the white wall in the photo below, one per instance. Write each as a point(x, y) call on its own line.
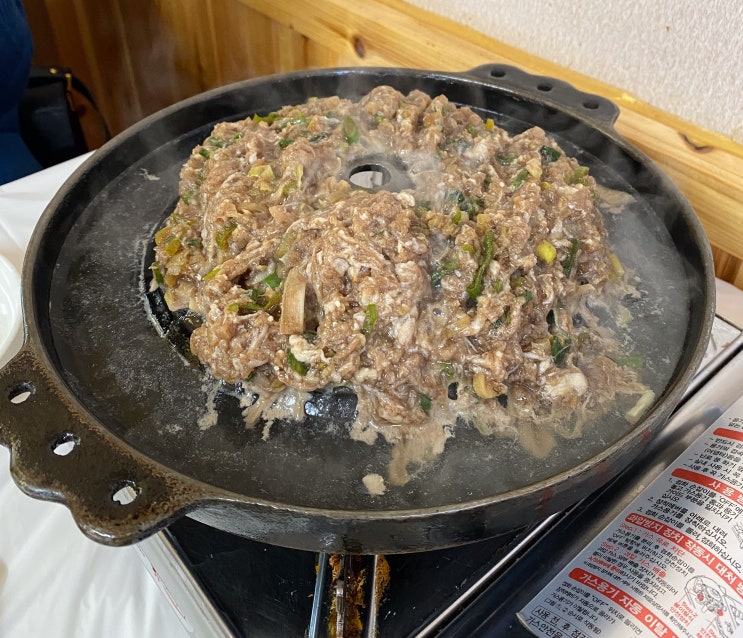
point(682, 56)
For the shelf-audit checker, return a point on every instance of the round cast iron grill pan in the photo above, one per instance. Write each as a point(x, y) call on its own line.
point(101, 412)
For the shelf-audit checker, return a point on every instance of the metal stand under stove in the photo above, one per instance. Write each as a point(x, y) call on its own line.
point(227, 586)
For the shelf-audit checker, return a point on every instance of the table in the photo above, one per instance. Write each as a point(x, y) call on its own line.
point(54, 581)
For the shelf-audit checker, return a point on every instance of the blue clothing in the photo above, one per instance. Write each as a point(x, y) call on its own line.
point(16, 49)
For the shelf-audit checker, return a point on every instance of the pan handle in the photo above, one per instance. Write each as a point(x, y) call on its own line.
point(548, 90)
point(58, 452)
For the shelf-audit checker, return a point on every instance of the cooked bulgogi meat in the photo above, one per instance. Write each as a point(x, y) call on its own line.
point(470, 294)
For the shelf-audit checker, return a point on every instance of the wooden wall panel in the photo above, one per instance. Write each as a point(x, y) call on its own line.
point(728, 268)
point(139, 56)
point(289, 49)
point(186, 37)
point(45, 44)
point(320, 56)
point(243, 42)
point(98, 24)
point(147, 59)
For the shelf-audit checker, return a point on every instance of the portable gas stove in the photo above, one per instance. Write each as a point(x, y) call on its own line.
point(227, 586)
point(224, 585)
point(230, 586)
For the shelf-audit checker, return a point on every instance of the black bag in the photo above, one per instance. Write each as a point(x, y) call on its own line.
point(49, 121)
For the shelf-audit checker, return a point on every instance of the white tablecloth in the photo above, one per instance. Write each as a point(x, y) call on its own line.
point(54, 581)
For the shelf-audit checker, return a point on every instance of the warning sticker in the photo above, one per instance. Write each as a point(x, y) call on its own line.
point(671, 564)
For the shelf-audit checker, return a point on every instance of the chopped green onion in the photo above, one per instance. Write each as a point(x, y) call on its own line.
point(287, 241)
point(319, 137)
point(457, 216)
point(516, 282)
point(421, 208)
point(444, 269)
point(186, 197)
point(488, 250)
point(163, 236)
point(273, 303)
point(519, 179)
point(425, 402)
point(473, 130)
point(455, 197)
point(204, 153)
point(559, 348)
point(244, 307)
point(172, 245)
point(295, 364)
point(447, 369)
point(503, 320)
point(272, 280)
point(258, 299)
point(504, 160)
point(310, 335)
point(223, 234)
point(157, 273)
point(473, 206)
point(578, 176)
point(378, 119)
point(349, 130)
point(268, 119)
point(217, 143)
point(370, 318)
point(468, 248)
point(211, 273)
point(285, 142)
point(261, 171)
point(549, 154)
point(569, 262)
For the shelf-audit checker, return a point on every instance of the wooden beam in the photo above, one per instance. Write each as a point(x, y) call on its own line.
point(706, 166)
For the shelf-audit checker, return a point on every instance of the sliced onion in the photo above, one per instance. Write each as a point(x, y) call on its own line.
point(292, 303)
point(643, 404)
point(481, 386)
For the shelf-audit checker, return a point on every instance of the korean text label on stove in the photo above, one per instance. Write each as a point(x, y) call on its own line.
point(671, 564)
